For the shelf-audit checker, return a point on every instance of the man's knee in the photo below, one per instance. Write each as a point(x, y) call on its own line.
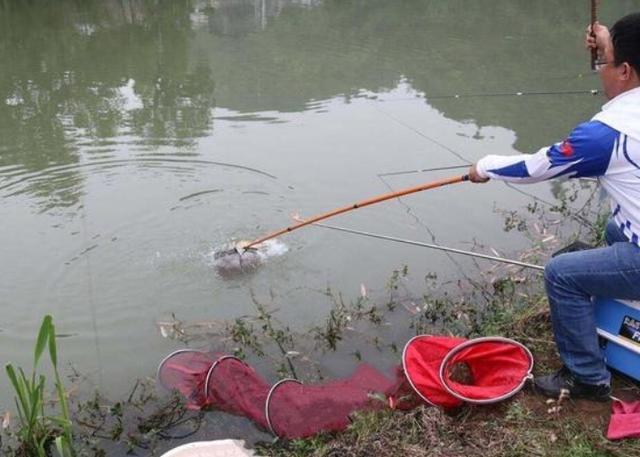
point(553, 271)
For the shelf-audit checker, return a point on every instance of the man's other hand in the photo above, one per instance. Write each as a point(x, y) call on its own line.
point(599, 39)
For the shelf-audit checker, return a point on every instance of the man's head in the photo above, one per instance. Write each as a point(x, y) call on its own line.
point(621, 69)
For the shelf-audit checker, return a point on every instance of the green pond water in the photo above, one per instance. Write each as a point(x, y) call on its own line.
point(138, 136)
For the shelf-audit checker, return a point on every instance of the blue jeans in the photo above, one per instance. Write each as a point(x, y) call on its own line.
point(572, 280)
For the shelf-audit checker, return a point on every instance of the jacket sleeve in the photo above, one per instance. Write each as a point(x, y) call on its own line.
point(586, 152)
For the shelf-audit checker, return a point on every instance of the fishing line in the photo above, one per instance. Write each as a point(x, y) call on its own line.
point(516, 94)
point(432, 234)
point(92, 303)
point(575, 216)
point(409, 210)
point(426, 137)
point(422, 170)
point(426, 97)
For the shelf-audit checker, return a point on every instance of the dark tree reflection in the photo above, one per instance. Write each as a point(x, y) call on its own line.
point(76, 74)
point(82, 77)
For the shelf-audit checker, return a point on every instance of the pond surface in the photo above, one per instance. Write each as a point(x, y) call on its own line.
point(138, 136)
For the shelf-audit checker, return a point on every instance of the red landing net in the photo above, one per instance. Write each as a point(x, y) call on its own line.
point(496, 368)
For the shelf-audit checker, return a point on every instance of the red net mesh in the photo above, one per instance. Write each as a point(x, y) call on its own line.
point(497, 369)
point(236, 388)
point(294, 410)
point(291, 410)
point(297, 410)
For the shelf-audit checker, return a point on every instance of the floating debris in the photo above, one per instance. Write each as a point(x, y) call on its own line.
point(176, 329)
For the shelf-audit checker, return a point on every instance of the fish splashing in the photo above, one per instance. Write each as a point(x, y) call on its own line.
point(229, 261)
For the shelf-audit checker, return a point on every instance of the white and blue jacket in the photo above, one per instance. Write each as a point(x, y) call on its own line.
point(607, 147)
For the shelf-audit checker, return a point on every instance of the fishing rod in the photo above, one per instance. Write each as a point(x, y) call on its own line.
point(453, 167)
point(594, 18)
point(498, 94)
point(432, 246)
point(515, 94)
point(240, 249)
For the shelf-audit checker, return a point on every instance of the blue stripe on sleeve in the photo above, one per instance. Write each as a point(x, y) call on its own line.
point(588, 149)
point(516, 170)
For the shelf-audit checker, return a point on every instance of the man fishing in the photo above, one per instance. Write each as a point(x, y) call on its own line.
point(606, 147)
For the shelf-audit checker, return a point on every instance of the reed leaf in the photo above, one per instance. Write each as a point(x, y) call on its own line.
point(53, 351)
point(43, 337)
point(36, 401)
point(18, 387)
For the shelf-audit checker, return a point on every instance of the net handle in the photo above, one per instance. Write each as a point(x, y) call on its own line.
point(486, 339)
point(360, 204)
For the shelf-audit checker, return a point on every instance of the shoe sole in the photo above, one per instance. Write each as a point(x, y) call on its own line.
point(556, 395)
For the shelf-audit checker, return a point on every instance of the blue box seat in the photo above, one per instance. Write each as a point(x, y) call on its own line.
point(618, 324)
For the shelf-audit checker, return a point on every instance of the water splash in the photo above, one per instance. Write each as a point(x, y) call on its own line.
point(272, 248)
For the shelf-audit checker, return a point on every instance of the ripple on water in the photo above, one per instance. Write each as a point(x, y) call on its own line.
point(16, 180)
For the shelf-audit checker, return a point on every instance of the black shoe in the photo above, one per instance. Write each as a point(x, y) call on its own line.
point(552, 385)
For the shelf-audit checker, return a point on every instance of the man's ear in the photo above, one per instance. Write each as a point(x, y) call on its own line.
point(627, 72)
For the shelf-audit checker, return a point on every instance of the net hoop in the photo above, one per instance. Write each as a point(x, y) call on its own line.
point(407, 371)
point(267, 403)
point(170, 356)
point(467, 344)
point(213, 366)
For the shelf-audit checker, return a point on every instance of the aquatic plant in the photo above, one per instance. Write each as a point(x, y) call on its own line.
point(39, 431)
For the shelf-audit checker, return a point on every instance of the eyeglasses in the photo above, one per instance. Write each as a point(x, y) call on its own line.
point(599, 64)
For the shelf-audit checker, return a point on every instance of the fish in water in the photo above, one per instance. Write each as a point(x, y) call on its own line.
point(234, 259)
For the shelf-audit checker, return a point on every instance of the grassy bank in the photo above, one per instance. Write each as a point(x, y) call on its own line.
point(526, 425)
